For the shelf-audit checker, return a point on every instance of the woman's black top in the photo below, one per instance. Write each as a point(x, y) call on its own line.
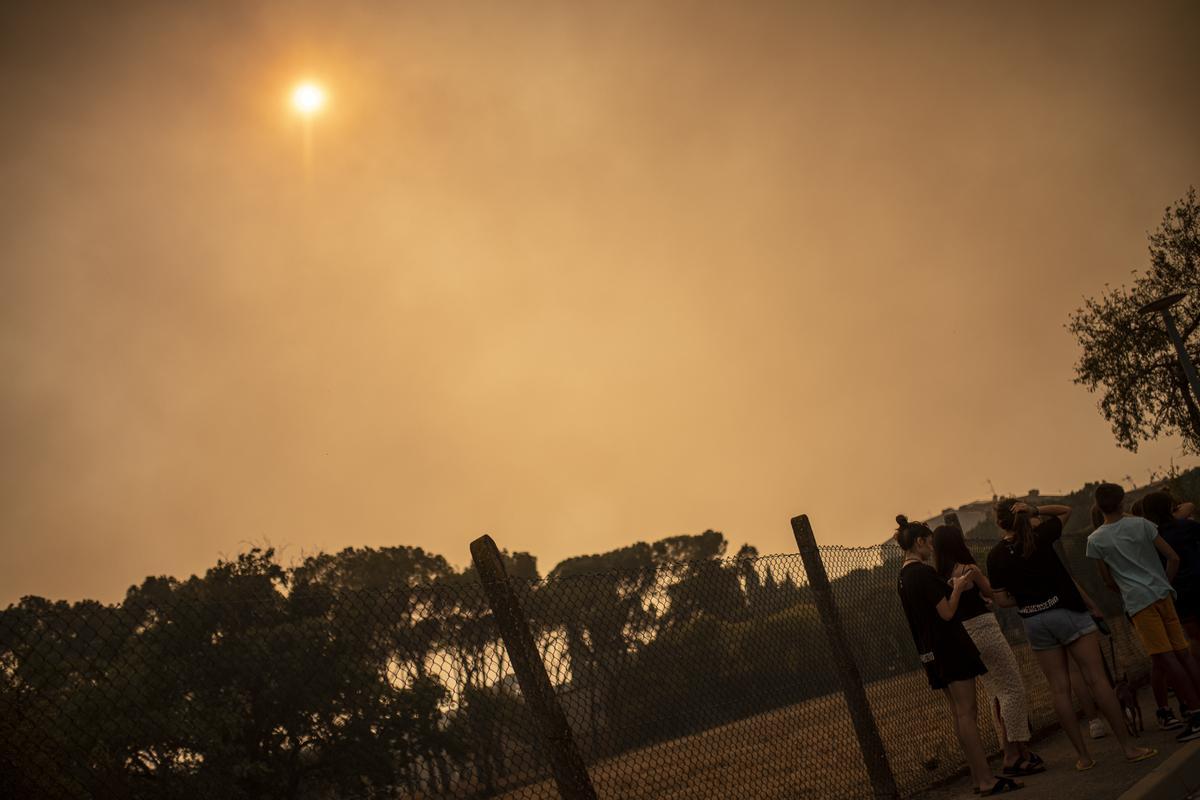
point(970, 602)
point(1038, 583)
point(945, 648)
point(971, 605)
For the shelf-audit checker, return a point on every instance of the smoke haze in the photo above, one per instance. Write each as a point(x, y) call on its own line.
point(570, 274)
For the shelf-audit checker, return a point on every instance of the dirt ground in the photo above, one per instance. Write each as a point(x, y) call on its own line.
point(1111, 776)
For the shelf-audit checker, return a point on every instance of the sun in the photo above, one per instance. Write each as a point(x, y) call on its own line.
point(308, 98)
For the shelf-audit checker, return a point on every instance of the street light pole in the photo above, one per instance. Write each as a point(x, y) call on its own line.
point(1163, 306)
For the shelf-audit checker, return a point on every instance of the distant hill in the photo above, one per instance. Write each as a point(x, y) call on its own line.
point(978, 524)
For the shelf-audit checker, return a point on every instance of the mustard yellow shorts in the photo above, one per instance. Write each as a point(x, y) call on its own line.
point(1159, 629)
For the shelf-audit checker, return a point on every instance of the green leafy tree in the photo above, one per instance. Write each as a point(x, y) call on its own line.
point(1127, 357)
point(391, 607)
point(251, 681)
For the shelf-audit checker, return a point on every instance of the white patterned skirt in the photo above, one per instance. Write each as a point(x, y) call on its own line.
point(1003, 683)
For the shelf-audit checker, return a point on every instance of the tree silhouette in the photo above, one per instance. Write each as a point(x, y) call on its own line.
point(1128, 357)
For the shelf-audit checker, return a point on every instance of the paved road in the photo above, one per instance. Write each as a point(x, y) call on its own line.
point(1111, 776)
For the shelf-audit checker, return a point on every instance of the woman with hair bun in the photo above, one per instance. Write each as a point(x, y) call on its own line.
point(950, 659)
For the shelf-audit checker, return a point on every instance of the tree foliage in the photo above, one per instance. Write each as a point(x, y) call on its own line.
point(1128, 357)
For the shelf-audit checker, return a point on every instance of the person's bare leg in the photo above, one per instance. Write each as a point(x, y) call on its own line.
point(1013, 752)
point(1187, 657)
point(962, 704)
point(1173, 666)
point(1085, 652)
point(1158, 685)
point(1086, 701)
point(1191, 627)
point(1054, 667)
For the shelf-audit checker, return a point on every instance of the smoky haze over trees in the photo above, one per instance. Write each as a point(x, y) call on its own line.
point(563, 272)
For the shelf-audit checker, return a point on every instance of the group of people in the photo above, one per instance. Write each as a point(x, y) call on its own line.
point(1151, 558)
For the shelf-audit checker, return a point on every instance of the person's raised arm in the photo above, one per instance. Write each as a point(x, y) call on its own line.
point(1168, 553)
point(947, 607)
point(1184, 510)
point(981, 581)
point(1062, 512)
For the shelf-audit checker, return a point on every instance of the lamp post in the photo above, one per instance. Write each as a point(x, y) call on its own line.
point(1163, 306)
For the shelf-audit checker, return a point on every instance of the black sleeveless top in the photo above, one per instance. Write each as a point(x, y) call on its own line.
point(970, 604)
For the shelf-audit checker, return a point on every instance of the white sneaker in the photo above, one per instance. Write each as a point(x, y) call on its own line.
point(1096, 729)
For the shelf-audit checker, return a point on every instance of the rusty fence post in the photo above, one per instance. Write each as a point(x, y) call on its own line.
point(550, 723)
point(883, 783)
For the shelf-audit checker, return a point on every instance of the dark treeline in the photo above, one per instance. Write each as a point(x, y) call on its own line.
point(378, 672)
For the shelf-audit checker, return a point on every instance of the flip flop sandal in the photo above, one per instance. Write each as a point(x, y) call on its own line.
point(1035, 760)
point(1086, 766)
point(1002, 786)
point(1150, 753)
point(1025, 766)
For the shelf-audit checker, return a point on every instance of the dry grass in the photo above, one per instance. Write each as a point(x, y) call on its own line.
point(810, 749)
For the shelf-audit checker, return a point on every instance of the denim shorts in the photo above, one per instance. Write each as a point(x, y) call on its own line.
point(1057, 627)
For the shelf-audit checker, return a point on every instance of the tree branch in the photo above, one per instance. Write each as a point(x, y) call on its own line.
point(1190, 329)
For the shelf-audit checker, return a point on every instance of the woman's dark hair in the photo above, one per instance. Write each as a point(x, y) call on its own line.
point(907, 533)
point(1004, 513)
point(1018, 523)
point(1157, 507)
point(950, 548)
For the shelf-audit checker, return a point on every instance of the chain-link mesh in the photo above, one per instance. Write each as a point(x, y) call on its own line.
point(240, 687)
point(682, 680)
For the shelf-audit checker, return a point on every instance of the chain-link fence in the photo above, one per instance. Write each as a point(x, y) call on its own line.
point(239, 686)
point(680, 680)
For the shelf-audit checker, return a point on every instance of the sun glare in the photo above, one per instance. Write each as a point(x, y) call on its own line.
point(308, 98)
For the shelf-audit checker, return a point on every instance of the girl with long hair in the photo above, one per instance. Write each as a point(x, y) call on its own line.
point(1005, 689)
point(949, 657)
point(1026, 572)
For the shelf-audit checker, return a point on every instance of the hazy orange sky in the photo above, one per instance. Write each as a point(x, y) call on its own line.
point(572, 274)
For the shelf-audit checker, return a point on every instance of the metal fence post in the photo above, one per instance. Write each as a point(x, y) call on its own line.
point(550, 723)
point(869, 741)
